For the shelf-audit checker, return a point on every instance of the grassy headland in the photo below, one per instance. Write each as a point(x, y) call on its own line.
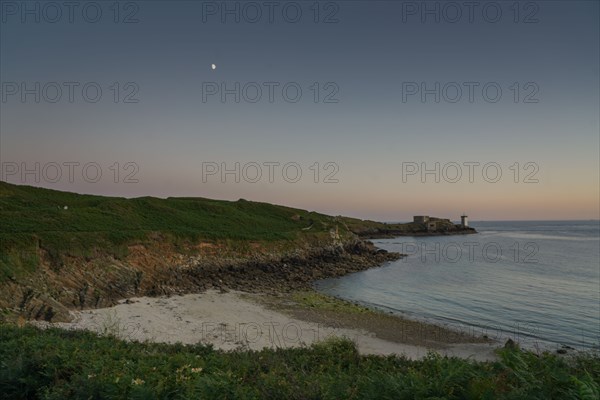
point(61, 250)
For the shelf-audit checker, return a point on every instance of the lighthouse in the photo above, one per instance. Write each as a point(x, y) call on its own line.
point(464, 220)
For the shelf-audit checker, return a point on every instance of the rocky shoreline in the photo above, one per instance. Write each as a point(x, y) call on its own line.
point(153, 271)
point(156, 269)
point(295, 272)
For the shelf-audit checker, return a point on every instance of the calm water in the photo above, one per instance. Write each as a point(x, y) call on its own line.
point(536, 282)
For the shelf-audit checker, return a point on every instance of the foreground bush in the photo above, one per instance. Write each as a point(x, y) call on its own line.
point(57, 364)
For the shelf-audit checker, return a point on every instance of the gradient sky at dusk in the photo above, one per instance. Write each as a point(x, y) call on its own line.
point(370, 54)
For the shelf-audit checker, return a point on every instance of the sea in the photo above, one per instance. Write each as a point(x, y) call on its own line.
point(535, 282)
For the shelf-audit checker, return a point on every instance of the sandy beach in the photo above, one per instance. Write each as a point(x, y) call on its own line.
point(235, 320)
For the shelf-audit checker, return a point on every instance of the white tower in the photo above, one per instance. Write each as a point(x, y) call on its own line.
point(464, 220)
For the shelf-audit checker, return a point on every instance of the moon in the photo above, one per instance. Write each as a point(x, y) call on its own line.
point(213, 66)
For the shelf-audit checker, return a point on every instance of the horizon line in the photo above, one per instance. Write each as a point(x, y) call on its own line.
point(324, 213)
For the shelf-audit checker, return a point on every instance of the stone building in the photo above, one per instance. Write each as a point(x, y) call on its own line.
point(421, 219)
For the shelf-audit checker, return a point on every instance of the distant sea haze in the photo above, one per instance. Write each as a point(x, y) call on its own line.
point(536, 282)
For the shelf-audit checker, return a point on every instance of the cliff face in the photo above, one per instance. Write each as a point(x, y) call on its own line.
point(164, 269)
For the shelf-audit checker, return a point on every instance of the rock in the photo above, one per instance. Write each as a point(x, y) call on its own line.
point(510, 344)
point(88, 285)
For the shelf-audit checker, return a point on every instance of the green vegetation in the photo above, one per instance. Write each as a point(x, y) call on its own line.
point(320, 301)
point(63, 223)
point(69, 224)
point(28, 210)
point(58, 364)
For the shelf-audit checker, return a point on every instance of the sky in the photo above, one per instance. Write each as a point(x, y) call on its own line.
point(374, 109)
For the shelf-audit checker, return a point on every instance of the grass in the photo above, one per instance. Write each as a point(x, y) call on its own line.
point(62, 223)
point(28, 210)
point(322, 302)
point(58, 364)
point(69, 224)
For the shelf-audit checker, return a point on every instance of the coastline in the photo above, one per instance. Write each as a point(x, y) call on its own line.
point(279, 296)
point(158, 269)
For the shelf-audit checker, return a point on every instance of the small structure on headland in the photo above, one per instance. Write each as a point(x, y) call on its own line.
point(421, 225)
point(421, 219)
point(433, 224)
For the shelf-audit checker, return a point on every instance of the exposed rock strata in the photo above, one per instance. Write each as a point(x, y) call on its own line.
point(147, 270)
